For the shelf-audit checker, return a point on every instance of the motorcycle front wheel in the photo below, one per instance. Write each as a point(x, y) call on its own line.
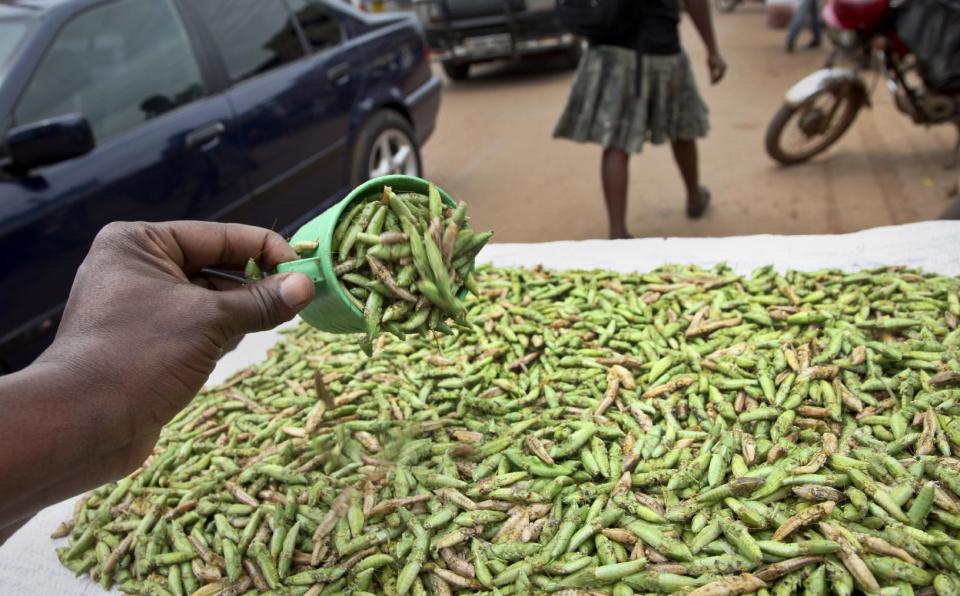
point(799, 132)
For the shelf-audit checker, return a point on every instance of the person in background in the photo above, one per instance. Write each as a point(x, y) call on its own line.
point(636, 85)
point(808, 14)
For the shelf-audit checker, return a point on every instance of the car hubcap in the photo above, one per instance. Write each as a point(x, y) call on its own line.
point(393, 153)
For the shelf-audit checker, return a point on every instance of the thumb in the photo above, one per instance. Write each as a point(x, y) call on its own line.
point(265, 304)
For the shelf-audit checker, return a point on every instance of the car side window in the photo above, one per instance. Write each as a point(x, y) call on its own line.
point(321, 28)
point(118, 64)
point(253, 36)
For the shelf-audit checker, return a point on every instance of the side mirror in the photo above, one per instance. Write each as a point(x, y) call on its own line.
point(48, 142)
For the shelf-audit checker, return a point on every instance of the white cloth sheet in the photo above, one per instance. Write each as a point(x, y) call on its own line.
point(29, 566)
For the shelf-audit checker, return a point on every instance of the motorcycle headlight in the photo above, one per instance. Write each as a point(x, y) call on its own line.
point(534, 5)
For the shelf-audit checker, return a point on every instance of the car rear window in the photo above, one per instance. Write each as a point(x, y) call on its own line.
point(319, 26)
point(12, 33)
point(253, 36)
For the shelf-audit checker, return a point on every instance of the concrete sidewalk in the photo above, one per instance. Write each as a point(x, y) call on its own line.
point(493, 148)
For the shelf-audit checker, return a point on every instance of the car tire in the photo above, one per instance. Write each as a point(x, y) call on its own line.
point(457, 71)
point(386, 145)
point(573, 54)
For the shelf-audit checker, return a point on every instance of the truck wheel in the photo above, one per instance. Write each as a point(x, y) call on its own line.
point(386, 145)
point(800, 132)
point(457, 71)
point(573, 54)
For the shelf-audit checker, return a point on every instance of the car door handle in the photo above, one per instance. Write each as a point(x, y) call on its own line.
point(339, 73)
point(205, 134)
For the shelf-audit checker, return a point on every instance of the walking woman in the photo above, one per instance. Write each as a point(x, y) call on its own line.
point(636, 85)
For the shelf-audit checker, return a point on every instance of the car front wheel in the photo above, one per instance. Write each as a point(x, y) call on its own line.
point(386, 145)
point(574, 53)
point(457, 71)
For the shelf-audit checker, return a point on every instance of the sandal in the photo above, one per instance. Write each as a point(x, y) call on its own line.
point(697, 211)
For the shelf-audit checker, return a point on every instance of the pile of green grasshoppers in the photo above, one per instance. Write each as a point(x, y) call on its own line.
point(585, 432)
point(402, 259)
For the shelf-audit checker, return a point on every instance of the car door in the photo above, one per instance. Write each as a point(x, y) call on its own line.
point(164, 148)
point(293, 86)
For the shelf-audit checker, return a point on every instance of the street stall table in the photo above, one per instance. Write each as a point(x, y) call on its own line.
point(28, 564)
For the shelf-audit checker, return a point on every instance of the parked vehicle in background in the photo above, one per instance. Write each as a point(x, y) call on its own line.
point(915, 46)
point(255, 111)
point(381, 5)
point(731, 5)
point(465, 32)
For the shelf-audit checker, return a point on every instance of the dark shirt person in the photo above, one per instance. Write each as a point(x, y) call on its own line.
point(142, 330)
point(636, 85)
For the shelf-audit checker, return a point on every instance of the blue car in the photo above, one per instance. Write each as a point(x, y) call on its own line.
point(255, 111)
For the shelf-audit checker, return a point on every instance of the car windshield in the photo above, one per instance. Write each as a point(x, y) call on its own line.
point(12, 32)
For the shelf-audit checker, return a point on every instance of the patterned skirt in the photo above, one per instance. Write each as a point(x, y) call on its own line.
point(607, 106)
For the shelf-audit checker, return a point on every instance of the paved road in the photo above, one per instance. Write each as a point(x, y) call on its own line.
point(493, 148)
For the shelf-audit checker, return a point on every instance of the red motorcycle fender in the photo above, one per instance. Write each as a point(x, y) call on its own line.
point(823, 79)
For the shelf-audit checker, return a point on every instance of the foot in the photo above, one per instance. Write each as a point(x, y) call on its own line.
point(813, 45)
point(623, 235)
point(697, 207)
point(791, 46)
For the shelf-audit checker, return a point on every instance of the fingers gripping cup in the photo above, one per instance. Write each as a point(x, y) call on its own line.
point(332, 308)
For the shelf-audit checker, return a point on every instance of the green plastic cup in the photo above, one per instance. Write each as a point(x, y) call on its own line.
point(331, 309)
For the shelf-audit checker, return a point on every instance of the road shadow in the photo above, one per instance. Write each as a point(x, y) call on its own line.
point(853, 162)
point(917, 170)
point(527, 70)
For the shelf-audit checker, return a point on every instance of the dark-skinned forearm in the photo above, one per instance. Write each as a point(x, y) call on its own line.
point(699, 11)
point(55, 441)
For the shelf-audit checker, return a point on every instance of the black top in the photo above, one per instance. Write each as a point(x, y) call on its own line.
point(653, 28)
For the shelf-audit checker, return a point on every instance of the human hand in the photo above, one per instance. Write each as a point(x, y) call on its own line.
point(717, 66)
point(146, 328)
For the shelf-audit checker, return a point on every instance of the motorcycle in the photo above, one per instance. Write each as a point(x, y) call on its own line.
point(820, 108)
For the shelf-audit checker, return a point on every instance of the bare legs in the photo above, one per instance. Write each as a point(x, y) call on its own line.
point(614, 174)
point(685, 154)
